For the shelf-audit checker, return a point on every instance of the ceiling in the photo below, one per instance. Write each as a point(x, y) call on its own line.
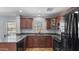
point(32, 11)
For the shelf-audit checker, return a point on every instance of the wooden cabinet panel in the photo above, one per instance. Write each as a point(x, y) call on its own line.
point(42, 42)
point(4, 47)
point(26, 23)
point(25, 41)
point(7, 47)
point(48, 23)
point(39, 41)
point(49, 41)
point(12, 47)
point(29, 42)
point(35, 42)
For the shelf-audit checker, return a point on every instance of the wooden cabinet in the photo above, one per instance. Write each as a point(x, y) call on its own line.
point(42, 43)
point(26, 23)
point(46, 41)
point(8, 47)
point(39, 41)
point(35, 41)
point(48, 23)
point(58, 18)
point(13, 46)
point(49, 41)
point(29, 42)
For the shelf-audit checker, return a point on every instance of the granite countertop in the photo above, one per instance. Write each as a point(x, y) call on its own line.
point(17, 38)
point(29, 32)
point(12, 39)
point(45, 31)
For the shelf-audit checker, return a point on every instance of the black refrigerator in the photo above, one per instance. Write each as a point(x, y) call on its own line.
point(69, 38)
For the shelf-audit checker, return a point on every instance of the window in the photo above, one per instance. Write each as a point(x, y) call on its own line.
point(11, 27)
point(39, 24)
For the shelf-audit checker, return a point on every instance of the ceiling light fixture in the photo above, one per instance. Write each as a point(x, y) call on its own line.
point(20, 11)
point(76, 12)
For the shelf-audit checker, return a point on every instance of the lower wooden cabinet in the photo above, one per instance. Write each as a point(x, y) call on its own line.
point(28, 42)
point(15, 46)
point(39, 42)
point(8, 47)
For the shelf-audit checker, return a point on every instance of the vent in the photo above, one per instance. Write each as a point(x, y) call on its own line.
point(49, 9)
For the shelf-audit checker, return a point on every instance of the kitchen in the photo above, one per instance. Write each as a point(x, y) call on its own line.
point(36, 28)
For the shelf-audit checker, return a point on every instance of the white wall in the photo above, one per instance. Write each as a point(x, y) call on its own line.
point(3, 29)
point(18, 24)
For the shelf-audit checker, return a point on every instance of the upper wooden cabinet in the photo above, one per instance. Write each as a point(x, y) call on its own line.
point(26, 23)
point(48, 23)
point(58, 18)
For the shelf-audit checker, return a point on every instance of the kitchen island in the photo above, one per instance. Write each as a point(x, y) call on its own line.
point(11, 43)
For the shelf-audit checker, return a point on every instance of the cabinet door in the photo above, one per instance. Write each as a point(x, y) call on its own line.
point(23, 23)
point(49, 42)
point(29, 42)
point(26, 23)
point(12, 46)
point(4, 47)
point(7, 46)
point(42, 42)
point(48, 21)
point(36, 41)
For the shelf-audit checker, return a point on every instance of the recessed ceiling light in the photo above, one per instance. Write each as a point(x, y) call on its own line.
point(20, 11)
point(76, 12)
